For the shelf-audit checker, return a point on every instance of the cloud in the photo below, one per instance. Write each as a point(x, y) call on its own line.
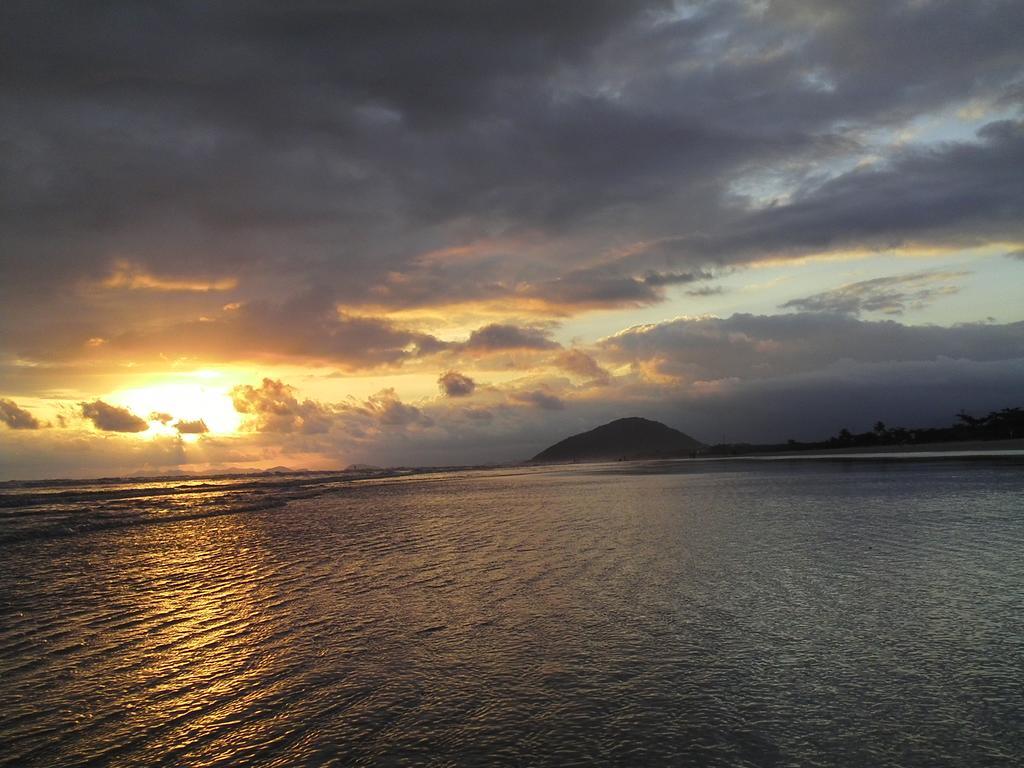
point(497, 337)
point(574, 131)
point(125, 274)
point(608, 285)
point(593, 288)
point(455, 384)
point(745, 346)
point(597, 116)
point(707, 290)
point(579, 363)
point(274, 407)
point(889, 295)
point(845, 394)
point(956, 194)
point(163, 418)
point(112, 418)
point(1019, 255)
point(16, 417)
point(675, 278)
point(197, 427)
point(539, 399)
point(309, 327)
point(389, 409)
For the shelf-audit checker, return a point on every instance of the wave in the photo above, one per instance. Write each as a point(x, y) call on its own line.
point(54, 510)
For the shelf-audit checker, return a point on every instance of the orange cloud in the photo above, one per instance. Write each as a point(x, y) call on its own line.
point(274, 407)
point(125, 274)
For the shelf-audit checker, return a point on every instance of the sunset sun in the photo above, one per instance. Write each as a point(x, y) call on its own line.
point(184, 408)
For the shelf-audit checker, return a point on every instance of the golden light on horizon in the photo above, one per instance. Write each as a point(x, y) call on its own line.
point(165, 406)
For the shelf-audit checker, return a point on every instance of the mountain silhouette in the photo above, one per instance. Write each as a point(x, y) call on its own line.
point(630, 438)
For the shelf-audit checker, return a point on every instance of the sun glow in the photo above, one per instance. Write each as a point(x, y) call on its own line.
point(177, 408)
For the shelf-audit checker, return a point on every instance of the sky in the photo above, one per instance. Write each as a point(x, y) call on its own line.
point(312, 234)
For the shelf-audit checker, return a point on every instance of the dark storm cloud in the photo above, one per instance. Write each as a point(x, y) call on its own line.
point(889, 295)
point(956, 194)
point(258, 117)
point(295, 162)
point(764, 346)
point(805, 376)
point(17, 417)
point(112, 418)
point(964, 193)
point(455, 384)
point(849, 394)
point(333, 144)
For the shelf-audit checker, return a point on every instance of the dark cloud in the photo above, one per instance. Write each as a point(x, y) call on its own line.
point(16, 417)
point(197, 427)
point(1019, 255)
point(275, 407)
point(388, 409)
point(455, 384)
point(309, 328)
point(608, 285)
point(707, 290)
point(332, 146)
point(848, 394)
point(593, 288)
point(764, 346)
point(889, 295)
point(675, 278)
point(112, 418)
point(964, 193)
point(163, 418)
point(539, 399)
point(497, 337)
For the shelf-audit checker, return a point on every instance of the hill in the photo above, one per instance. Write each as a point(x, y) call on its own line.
point(631, 438)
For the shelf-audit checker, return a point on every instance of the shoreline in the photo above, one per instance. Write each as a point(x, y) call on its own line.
point(979, 448)
point(959, 446)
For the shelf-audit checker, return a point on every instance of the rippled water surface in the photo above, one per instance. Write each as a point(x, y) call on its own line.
point(709, 613)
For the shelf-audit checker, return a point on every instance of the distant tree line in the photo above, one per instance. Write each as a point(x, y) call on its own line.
point(1006, 424)
point(998, 425)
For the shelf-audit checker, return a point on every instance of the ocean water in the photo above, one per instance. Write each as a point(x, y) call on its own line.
point(784, 613)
